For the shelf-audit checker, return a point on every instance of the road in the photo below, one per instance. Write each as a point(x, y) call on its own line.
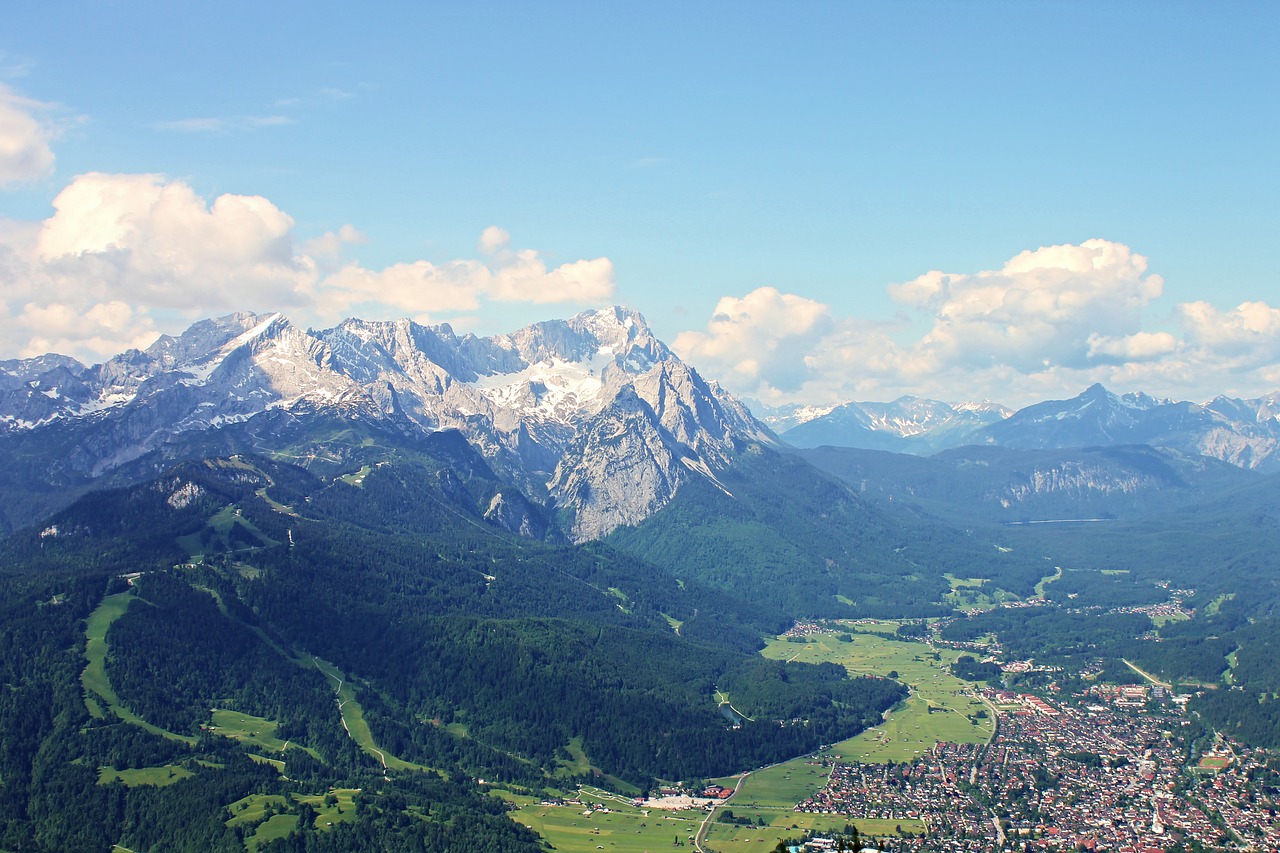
point(1148, 676)
point(711, 816)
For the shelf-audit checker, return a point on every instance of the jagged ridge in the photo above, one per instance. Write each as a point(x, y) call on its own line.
point(540, 403)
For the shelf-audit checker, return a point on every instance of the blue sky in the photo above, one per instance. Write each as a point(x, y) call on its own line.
point(771, 184)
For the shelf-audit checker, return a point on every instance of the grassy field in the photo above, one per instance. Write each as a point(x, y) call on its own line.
point(1046, 580)
point(276, 826)
point(941, 707)
point(975, 593)
point(578, 766)
point(222, 523)
point(353, 719)
point(337, 806)
point(275, 504)
point(628, 829)
point(94, 677)
point(157, 776)
point(249, 729)
point(727, 838)
point(778, 787)
point(625, 829)
point(356, 478)
point(334, 807)
point(253, 808)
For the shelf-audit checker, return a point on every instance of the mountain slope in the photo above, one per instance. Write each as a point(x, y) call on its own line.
point(772, 528)
point(1007, 485)
point(256, 589)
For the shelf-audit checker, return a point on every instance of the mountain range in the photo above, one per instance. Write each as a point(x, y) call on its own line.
point(592, 424)
point(257, 571)
point(592, 417)
point(1245, 433)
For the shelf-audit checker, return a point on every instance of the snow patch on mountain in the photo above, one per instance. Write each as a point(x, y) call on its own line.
point(562, 406)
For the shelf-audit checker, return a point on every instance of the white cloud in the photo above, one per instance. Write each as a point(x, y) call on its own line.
point(1250, 331)
point(155, 242)
point(493, 240)
point(420, 289)
point(423, 289)
point(1046, 324)
point(761, 340)
point(125, 257)
point(328, 247)
point(1043, 304)
point(1140, 346)
point(524, 277)
point(101, 330)
point(25, 137)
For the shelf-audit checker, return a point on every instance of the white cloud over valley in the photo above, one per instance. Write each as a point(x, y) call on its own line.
point(1047, 323)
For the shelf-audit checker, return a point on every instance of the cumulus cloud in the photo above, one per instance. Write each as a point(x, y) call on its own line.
point(1042, 304)
point(153, 241)
point(1047, 323)
point(1248, 333)
point(1140, 346)
point(126, 257)
point(522, 275)
point(101, 330)
point(25, 137)
point(762, 339)
point(421, 289)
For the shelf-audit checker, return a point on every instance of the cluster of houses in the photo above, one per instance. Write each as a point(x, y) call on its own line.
point(1076, 776)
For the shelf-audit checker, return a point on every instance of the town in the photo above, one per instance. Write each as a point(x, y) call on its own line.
point(1110, 769)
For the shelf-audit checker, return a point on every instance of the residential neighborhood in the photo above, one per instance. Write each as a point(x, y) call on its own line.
point(1106, 770)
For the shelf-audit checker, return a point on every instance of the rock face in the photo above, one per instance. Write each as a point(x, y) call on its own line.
point(593, 416)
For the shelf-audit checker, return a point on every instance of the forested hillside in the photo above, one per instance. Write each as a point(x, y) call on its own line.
point(241, 628)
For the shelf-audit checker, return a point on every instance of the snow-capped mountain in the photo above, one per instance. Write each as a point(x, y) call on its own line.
point(906, 425)
point(1243, 432)
point(593, 415)
point(784, 417)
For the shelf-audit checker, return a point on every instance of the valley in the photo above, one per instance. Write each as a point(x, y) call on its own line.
point(557, 578)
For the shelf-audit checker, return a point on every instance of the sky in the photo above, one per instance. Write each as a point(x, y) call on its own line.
point(811, 202)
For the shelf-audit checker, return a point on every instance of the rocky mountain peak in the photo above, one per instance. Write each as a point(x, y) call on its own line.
point(558, 407)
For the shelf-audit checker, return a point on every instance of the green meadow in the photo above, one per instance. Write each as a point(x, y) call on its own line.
point(729, 838)
point(353, 719)
point(975, 593)
point(156, 776)
point(94, 679)
point(274, 815)
point(247, 728)
point(625, 829)
point(941, 707)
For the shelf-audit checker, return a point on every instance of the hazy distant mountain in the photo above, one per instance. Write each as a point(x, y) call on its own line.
point(907, 425)
point(988, 483)
point(592, 415)
point(1243, 432)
